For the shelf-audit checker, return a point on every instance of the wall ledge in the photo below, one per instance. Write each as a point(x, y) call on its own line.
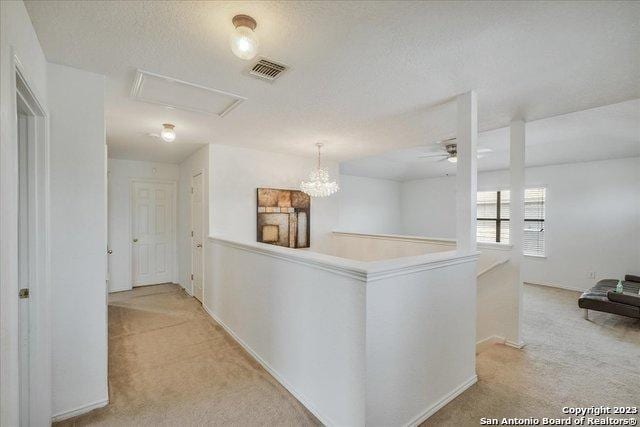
point(422, 239)
point(365, 272)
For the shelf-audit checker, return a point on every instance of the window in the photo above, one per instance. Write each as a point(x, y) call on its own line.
point(534, 213)
point(494, 213)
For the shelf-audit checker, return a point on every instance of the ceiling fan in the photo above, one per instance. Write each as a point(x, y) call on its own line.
point(449, 151)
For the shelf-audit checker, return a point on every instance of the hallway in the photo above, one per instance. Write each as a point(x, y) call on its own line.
point(170, 364)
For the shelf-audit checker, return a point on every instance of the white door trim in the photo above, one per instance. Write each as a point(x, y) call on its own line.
point(39, 258)
point(174, 213)
point(195, 173)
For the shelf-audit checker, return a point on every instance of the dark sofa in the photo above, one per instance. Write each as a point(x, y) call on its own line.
point(603, 297)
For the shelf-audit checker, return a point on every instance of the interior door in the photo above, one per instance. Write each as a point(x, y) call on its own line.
point(152, 233)
point(24, 239)
point(196, 235)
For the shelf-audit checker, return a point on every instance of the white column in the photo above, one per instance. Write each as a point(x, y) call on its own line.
point(516, 220)
point(467, 171)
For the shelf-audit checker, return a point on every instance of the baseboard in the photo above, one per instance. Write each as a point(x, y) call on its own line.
point(514, 344)
point(550, 285)
point(442, 402)
point(303, 400)
point(482, 345)
point(79, 411)
point(128, 288)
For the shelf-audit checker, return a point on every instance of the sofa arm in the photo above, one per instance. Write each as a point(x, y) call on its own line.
point(631, 278)
point(624, 298)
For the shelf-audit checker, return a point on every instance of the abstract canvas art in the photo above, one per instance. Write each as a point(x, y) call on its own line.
point(283, 217)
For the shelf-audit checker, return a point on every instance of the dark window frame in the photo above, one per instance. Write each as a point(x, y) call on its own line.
point(499, 220)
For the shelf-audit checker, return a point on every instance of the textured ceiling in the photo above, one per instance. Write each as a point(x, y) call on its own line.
point(610, 132)
point(363, 74)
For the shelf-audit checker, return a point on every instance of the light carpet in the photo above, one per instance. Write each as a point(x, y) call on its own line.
point(567, 361)
point(170, 364)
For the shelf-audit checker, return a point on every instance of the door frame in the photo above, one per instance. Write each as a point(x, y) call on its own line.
point(195, 173)
point(38, 262)
point(174, 226)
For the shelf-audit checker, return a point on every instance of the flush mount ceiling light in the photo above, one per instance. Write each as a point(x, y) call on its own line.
point(243, 40)
point(168, 134)
point(319, 184)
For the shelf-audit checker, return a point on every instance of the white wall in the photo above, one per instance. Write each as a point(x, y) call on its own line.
point(17, 37)
point(369, 205)
point(196, 163)
point(78, 236)
point(120, 174)
point(304, 323)
point(420, 343)
point(592, 218)
point(428, 207)
point(237, 172)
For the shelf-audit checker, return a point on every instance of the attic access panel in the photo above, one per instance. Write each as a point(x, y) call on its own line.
point(174, 93)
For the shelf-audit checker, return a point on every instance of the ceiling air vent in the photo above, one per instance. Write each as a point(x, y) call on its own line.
point(267, 70)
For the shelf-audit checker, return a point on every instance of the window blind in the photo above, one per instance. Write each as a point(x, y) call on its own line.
point(534, 217)
point(494, 213)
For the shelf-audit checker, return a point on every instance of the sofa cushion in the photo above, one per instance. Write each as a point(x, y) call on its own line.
point(624, 298)
point(632, 278)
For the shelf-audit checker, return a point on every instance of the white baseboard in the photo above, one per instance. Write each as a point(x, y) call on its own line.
point(79, 411)
point(301, 398)
point(482, 345)
point(446, 399)
point(514, 344)
point(550, 285)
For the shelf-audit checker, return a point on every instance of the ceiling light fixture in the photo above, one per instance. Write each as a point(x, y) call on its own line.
point(168, 134)
point(319, 184)
point(243, 40)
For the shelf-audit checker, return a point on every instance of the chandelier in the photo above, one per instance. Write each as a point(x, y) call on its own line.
point(319, 184)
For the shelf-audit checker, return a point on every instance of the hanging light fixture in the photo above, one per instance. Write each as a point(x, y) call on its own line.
point(168, 134)
point(244, 43)
point(319, 184)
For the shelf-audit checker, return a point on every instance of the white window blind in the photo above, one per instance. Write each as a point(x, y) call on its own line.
point(534, 216)
point(493, 219)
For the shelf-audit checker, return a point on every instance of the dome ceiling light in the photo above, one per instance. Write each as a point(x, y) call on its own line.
point(319, 184)
point(168, 133)
point(244, 43)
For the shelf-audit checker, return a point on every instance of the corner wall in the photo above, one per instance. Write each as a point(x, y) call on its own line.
point(78, 240)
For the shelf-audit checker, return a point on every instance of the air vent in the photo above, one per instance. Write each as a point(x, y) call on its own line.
point(267, 70)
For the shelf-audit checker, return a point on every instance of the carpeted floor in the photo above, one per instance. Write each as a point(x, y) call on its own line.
point(171, 365)
point(568, 361)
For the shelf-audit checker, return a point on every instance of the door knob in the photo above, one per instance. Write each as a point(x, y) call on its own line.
point(135, 240)
point(109, 251)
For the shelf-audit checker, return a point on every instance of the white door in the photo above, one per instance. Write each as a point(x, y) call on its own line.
point(196, 236)
point(152, 226)
point(24, 240)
